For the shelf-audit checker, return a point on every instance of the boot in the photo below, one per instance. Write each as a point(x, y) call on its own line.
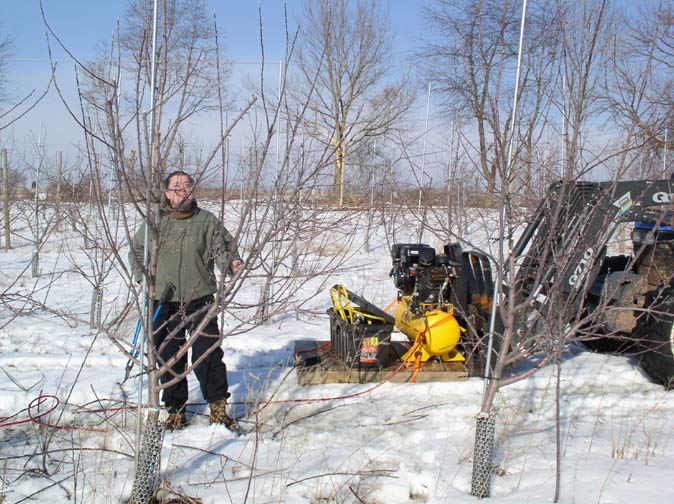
point(219, 416)
point(176, 421)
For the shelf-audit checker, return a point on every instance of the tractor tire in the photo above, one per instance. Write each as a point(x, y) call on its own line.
point(614, 334)
point(656, 341)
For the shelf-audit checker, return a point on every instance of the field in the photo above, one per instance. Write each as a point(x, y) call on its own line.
point(68, 423)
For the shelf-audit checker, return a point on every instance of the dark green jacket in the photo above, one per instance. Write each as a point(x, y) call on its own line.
point(188, 248)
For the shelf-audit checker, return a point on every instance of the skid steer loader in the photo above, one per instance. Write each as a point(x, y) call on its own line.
point(614, 302)
point(563, 272)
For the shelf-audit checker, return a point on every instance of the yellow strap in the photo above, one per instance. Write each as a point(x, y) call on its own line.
point(391, 305)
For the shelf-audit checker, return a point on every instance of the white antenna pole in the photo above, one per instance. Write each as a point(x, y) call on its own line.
point(451, 149)
point(241, 177)
point(278, 122)
point(390, 177)
point(564, 126)
point(225, 163)
point(664, 157)
point(509, 159)
point(423, 160)
point(146, 255)
point(507, 188)
point(111, 184)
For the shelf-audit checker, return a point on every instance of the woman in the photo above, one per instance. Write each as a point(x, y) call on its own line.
point(189, 243)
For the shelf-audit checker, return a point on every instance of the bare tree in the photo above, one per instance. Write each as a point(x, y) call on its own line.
point(587, 29)
point(639, 90)
point(187, 80)
point(6, 46)
point(277, 226)
point(15, 108)
point(471, 61)
point(344, 58)
point(537, 312)
point(171, 62)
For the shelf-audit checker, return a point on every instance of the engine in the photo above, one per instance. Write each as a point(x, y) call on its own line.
point(420, 273)
point(424, 313)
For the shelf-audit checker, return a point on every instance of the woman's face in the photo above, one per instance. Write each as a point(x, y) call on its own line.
point(179, 192)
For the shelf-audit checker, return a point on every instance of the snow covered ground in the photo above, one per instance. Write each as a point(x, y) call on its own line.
point(66, 434)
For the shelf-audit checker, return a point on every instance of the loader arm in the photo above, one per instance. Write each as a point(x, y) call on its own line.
point(563, 246)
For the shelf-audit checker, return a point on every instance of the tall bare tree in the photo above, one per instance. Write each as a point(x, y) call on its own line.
point(13, 108)
point(187, 82)
point(275, 224)
point(470, 56)
point(639, 90)
point(6, 45)
point(474, 64)
point(162, 71)
point(142, 140)
point(587, 29)
point(344, 61)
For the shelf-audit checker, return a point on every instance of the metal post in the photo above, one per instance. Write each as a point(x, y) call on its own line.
point(506, 188)
point(241, 176)
point(664, 157)
point(111, 185)
point(423, 164)
point(148, 455)
point(485, 425)
point(35, 262)
point(5, 200)
point(88, 239)
point(268, 298)
point(59, 167)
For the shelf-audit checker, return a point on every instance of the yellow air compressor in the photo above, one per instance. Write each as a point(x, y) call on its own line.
point(424, 313)
point(436, 294)
point(432, 329)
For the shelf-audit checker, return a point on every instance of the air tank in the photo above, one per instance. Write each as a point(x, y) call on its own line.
point(436, 329)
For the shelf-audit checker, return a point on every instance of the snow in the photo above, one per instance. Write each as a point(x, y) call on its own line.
point(390, 443)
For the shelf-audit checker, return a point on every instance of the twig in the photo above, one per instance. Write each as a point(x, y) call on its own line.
point(382, 473)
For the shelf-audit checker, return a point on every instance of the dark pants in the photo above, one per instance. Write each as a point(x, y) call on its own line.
point(211, 372)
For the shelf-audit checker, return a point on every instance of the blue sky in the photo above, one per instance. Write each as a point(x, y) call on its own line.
point(82, 24)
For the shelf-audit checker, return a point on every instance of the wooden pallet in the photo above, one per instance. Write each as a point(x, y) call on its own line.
point(317, 363)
